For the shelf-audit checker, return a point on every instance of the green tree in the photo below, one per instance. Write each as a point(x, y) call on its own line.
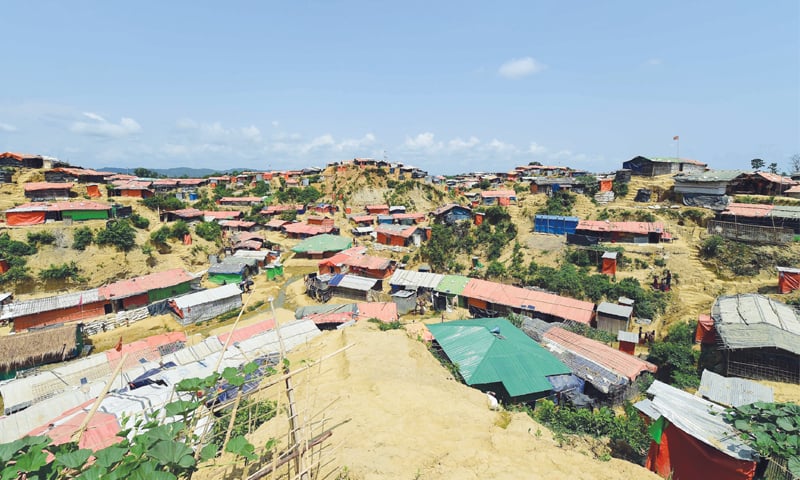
point(757, 164)
point(210, 231)
point(179, 230)
point(82, 237)
point(676, 357)
point(495, 270)
point(260, 189)
point(771, 429)
point(773, 167)
point(118, 233)
point(163, 203)
point(146, 173)
point(139, 221)
point(41, 238)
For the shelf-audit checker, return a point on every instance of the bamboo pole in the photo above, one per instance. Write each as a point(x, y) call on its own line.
point(76, 437)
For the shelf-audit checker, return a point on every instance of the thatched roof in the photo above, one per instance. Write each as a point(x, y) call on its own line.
point(38, 347)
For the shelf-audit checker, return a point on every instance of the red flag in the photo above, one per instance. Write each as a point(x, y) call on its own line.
point(119, 345)
point(676, 137)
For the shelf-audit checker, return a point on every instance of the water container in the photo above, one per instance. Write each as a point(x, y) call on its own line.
point(193, 196)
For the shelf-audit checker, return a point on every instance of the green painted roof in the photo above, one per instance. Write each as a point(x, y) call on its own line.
point(511, 358)
point(323, 243)
point(453, 284)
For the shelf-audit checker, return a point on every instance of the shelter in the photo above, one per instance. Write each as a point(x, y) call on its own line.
point(653, 166)
point(448, 292)
point(498, 197)
point(37, 213)
point(556, 224)
point(66, 307)
point(412, 218)
point(205, 305)
point(609, 265)
point(233, 271)
point(146, 289)
point(39, 347)
point(627, 341)
point(305, 230)
point(274, 270)
point(759, 337)
point(486, 298)
point(405, 301)
point(411, 280)
point(691, 438)
point(279, 209)
point(363, 220)
point(761, 183)
point(731, 391)
point(322, 246)
point(11, 159)
point(635, 232)
point(612, 318)
point(276, 224)
point(75, 174)
point(705, 332)
point(240, 201)
point(377, 209)
point(492, 354)
point(452, 213)
point(551, 185)
point(237, 225)
point(132, 188)
point(38, 191)
point(788, 279)
point(261, 256)
point(353, 286)
point(775, 216)
point(386, 312)
point(399, 235)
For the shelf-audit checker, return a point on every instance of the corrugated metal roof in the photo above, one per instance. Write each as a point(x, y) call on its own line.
point(615, 310)
point(752, 210)
point(208, 296)
point(788, 269)
point(410, 278)
point(307, 229)
point(403, 293)
point(611, 255)
point(327, 308)
point(403, 231)
point(257, 254)
point(675, 160)
point(731, 391)
point(227, 268)
point(641, 228)
point(631, 337)
point(276, 223)
point(522, 298)
point(47, 304)
point(785, 211)
point(453, 284)
point(251, 262)
point(323, 243)
point(610, 358)
point(699, 418)
point(368, 262)
point(509, 357)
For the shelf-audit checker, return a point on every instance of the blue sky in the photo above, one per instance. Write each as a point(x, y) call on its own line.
point(446, 86)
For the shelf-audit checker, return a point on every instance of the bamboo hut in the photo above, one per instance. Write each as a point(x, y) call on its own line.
point(39, 347)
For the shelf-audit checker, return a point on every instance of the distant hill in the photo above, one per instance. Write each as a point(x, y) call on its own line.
point(174, 172)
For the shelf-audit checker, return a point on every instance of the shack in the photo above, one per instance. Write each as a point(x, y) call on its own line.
point(39, 347)
point(205, 305)
point(39, 191)
point(228, 272)
point(609, 266)
point(612, 318)
point(406, 301)
point(322, 246)
point(788, 279)
point(555, 224)
point(653, 166)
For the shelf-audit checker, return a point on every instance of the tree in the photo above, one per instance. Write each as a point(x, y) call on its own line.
point(535, 164)
point(146, 173)
point(210, 231)
point(773, 168)
point(118, 233)
point(757, 163)
point(82, 237)
point(794, 162)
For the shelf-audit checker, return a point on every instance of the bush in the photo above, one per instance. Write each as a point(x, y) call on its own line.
point(41, 238)
point(579, 258)
point(210, 231)
point(179, 230)
point(560, 203)
point(160, 236)
point(82, 237)
point(118, 233)
point(712, 246)
point(163, 202)
point(17, 273)
point(676, 357)
point(61, 272)
point(15, 248)
point(139, 221)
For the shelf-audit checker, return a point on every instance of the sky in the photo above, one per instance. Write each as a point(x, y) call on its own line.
point(442, 85)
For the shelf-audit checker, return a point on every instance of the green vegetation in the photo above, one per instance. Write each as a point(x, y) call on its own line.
point(589, 183)
point(676, 358)
point(148, 449)
point(712, 246)
point(384, 326)
point(298, 195)
point(210, 231)
point(14, 248)
point(772, 429)
point(118, 233)
point(627, 432)
point(64, 271)
point(162, 202)
point(620, 189)
point(139, 221)
point(147, 173)
point(261, 189)
point(204, 202)
point(179, 230)
point(589, 332)
point(250, 415)
point(743, 259)
point(160, 236)
point(288, 216)
point(15, 274)
point(41, 238)
point(560, 203)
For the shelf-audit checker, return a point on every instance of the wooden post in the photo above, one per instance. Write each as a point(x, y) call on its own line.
point(76, 437)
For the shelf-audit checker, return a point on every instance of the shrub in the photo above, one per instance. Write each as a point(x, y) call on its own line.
point(560, 203)
point(17, 273)
point(82, 237)
point(676, 358)
point(579, 258)
point(210, 231)
point(139, 221)
point(41, 238)
point(163, 202)
point(160, 236)
point(61, 272)
point(712, 246)
point(15, 248)
point(118, 233)
point(179, 229)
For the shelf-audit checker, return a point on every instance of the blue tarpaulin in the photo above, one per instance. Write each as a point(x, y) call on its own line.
point(564, 383)
point(556, 224)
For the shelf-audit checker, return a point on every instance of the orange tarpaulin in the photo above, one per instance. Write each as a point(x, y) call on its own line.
point(705, 330)
point(24, 218)
point(788, 280)
point(627, 347)
point(682, 457)
point(93, 191)
point(609, 266)
point(606, 185)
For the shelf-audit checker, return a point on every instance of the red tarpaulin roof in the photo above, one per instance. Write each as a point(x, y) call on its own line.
point(384, 311)
point(101, 431)
point(146, 283)
point(222, 215)
point(752, 210)
point(363, 218)
point(515, 297)
point(272, 209)
point(237, 223)
point(304, 228)
point(246, 332)
point(39, 186)
point(600, 353)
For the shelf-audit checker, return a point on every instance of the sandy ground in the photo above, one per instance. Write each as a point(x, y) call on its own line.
point(401, 415)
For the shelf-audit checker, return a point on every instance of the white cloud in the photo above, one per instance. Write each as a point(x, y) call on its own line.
point(654, 62)
point(100, 127)
point(536, 149)
point(459, 144)
point(520, 67)
point(499, 146)
point(7, 127)
point(216, 131)
point(423, 141)
point(293, 144)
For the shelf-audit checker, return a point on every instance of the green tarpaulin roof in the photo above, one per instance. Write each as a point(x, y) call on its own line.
point(453, 284)
point(323, 243)
point(509, 357)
